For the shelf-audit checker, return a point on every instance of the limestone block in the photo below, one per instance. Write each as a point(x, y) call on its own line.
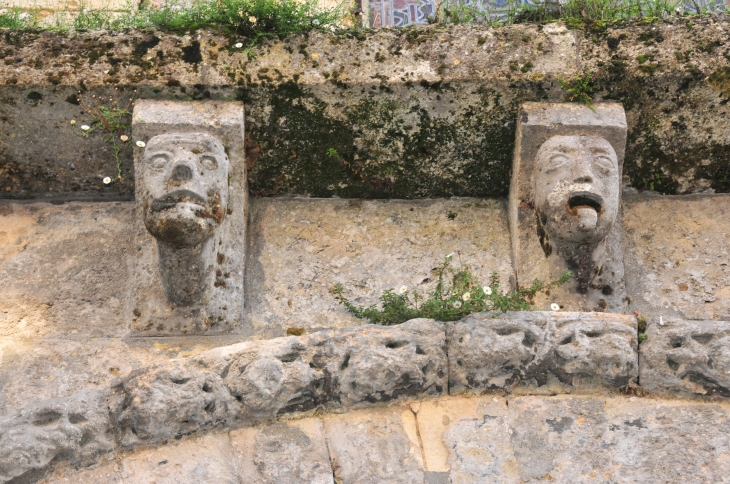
point(75, 428)
point(689, 357)
point(283, 453)
point(106, 473)
point(467, 439)
point(564, 203)
point(559, 438)
point(301, 248)
point(191, 217)
point(662, 441)
point(542, 349)
point(342, 367)
point(677, 252)
point(205, 460)
point(65, 269)
point(375, 446)
point(152, 405)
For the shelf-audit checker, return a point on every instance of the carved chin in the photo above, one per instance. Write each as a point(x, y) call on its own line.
point(185, 224)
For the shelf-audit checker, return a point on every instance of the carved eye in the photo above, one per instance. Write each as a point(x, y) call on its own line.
point(556, 161)
point(209, 162)
point(159, 161)
point(604, 163)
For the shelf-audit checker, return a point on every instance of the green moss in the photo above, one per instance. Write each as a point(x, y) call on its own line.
point(720, 80)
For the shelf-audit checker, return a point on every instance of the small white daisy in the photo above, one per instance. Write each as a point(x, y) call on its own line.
point(3, 11)
point(73, 121)
point(124, 137)
point(252, 19)
point(85, 127)
point(403, 289)
point(466, 296)
point(457, 304)
point(140, 144)
point(238, 45)
point(487, 290)
point(107, 180)
point(315, 22)
point(555, 307)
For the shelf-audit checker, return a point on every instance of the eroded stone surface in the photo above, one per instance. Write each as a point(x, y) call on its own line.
point(65, 270)
point(375, 446)
point(155, 404)
point(283, 453)
point(491, 351)
point(564, 199)
point(301, 248)
point(76, 429)
point(337, 367)
point(191, 197)
point(677, 255)
point(690, 357)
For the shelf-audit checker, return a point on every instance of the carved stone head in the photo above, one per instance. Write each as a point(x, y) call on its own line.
point(577, 188)
point(184, 177)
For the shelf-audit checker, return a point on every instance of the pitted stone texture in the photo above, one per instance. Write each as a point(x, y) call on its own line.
point(76, 429)
point(678, 264)
point(541, 349)
point(564, 199)
point(40, 369)
point(283, 453)
point(301, 248)
point(687, 357)
point(342, 367)
point(463, 438)
point(153, 405)
point(65, 270)
point(375, 446)
point(191, 193)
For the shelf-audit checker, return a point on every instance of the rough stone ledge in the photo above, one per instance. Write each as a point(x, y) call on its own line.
point(545, 351)
point(687, 357)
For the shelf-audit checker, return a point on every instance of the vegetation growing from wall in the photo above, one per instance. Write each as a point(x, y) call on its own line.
point(457, 294)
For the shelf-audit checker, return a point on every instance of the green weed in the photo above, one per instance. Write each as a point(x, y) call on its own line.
point(457, 293)
point(579, 89)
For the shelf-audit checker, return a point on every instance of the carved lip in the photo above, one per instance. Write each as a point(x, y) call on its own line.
point(178, 196)
point(585, 200)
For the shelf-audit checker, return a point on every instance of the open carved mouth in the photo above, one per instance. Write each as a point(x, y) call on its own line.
point(585, 200)
point(179, 196)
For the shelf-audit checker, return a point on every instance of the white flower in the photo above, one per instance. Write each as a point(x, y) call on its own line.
point(466, 296)
point(555, 307)
point(403, 289)
point(315, 22)
point(449, 256)
point(23, 16)
point(3, 11)
point(487, 290)
point(85, 127)
point(124, 137)
point(252, 19)
point(73, 121)
point(238, 45)
point(107, 180)
point(457, 304)
point(140, 144)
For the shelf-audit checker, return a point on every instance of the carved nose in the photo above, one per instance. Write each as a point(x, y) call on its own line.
point(584, 178)
point(182, 173)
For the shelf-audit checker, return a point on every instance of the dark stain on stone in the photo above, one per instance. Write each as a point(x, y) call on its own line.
point(559, 424)
point(192, 53)
point(142, 47)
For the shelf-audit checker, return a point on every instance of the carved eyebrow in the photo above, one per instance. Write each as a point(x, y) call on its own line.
point(596, 150)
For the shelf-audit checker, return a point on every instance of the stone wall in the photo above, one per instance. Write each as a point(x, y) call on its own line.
point(412, 113)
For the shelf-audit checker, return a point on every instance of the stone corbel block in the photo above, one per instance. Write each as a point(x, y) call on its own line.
point(687, 357)
point(565, 198)
point(191, 204)
point(542, 349)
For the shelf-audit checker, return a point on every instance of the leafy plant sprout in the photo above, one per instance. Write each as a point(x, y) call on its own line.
point(113, 121)
point(457, 294)
point(579, 89)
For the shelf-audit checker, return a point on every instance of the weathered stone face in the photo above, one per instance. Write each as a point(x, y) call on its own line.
point(185, 187)
point(577, 188)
